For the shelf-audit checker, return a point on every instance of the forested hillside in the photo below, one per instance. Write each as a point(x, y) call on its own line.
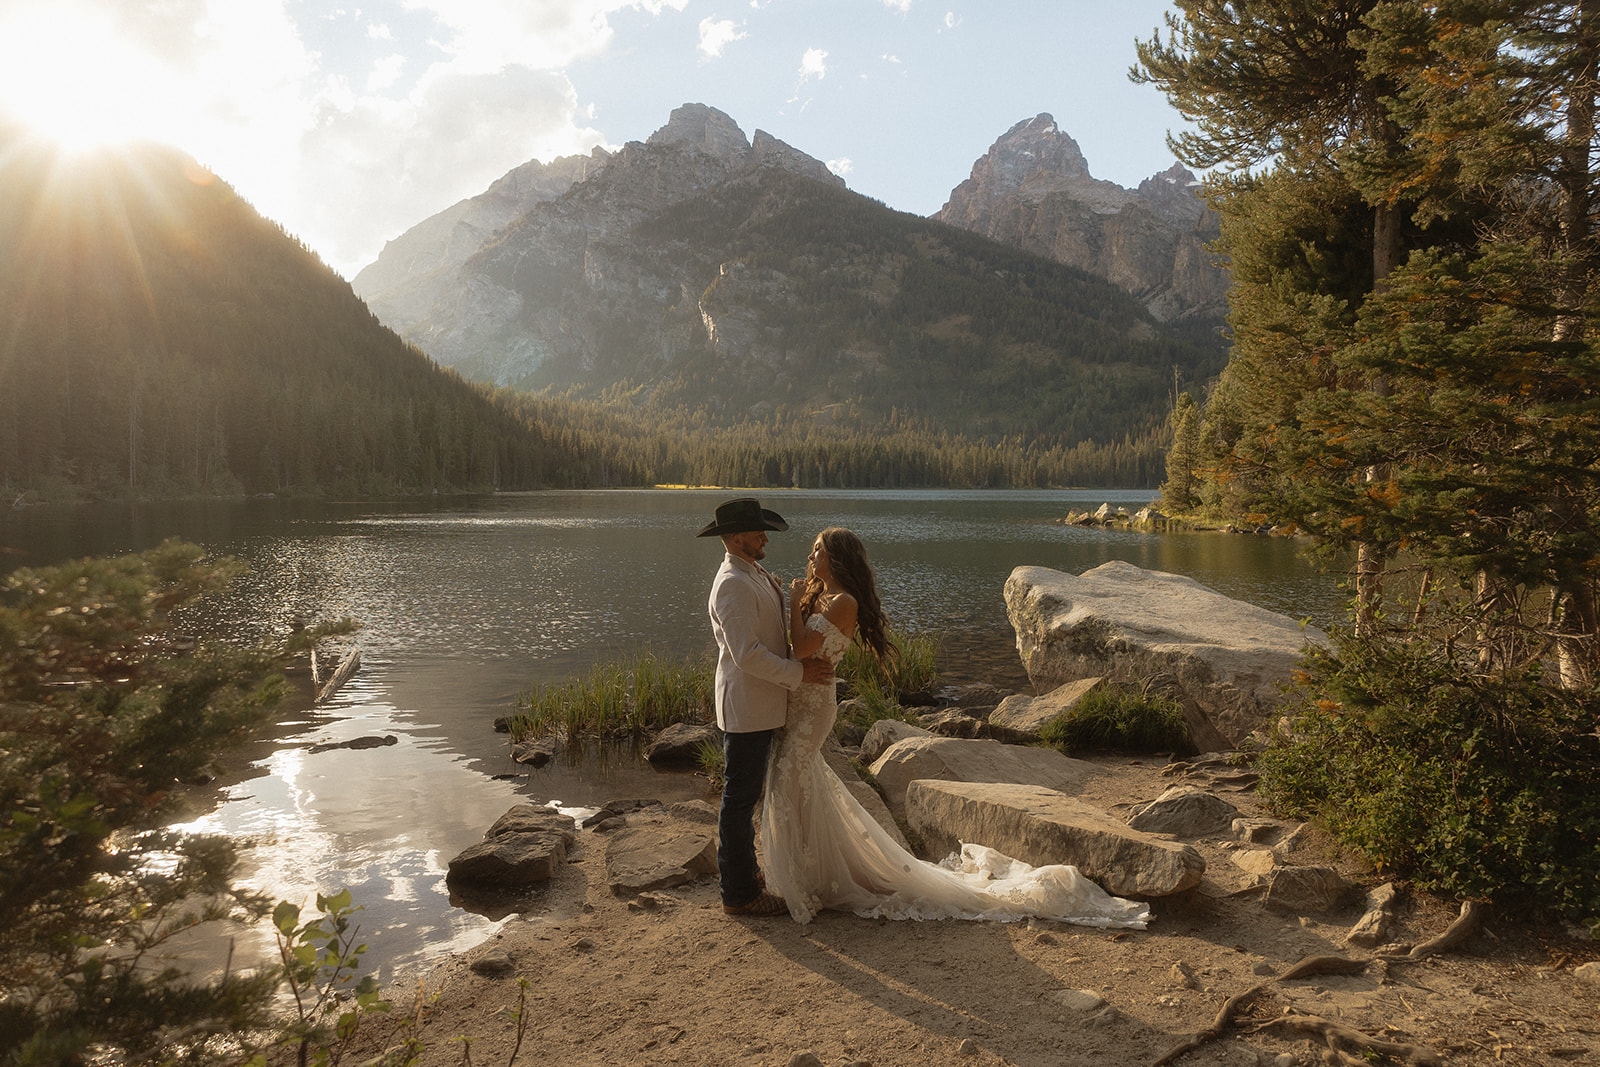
point(815, 296)
point(158, 336)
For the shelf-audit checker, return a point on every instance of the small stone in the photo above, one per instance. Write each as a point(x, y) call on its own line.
point(1262, 967)
point(1079, 1000)
point(1045, 937)
point(968, 1047)
point(804, 1059)
point(583, 944)
point(1283, 1059)
point(1588, 972)
point(1183, 975)
point(493, 964)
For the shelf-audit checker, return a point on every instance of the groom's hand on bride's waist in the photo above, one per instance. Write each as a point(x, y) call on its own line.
point(817, 671)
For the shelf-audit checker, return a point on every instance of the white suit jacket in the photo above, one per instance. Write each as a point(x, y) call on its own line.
point(754, 671)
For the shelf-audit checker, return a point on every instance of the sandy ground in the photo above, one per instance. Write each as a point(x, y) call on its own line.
point(666, 977)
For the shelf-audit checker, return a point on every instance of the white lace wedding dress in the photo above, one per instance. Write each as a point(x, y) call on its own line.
point(821, 849)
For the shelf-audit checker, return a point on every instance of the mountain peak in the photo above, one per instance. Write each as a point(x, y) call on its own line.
point(707, 129)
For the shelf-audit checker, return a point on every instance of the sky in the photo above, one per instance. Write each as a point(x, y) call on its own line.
point(349, 122)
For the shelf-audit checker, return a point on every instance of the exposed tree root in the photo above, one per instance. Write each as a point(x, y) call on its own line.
point(1218, 1026)
point(1353, 1044)
point(1469, 922)
point(1350, 1044)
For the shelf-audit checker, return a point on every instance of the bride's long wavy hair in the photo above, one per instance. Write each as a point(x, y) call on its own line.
point(847, 559)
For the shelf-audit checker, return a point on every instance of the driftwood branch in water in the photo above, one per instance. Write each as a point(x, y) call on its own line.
point(1469, 922)
point(347, 667)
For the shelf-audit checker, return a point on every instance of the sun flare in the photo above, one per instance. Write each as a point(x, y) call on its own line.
point(65, 74)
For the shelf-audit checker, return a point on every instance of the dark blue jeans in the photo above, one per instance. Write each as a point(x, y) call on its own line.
point(744, 772)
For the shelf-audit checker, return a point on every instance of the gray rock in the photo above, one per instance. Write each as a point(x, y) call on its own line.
point(616, 809)
point(954, 722)
point(511, 860)
point(654, 856)
point(1042, 826)
point(1078, 1000)
point(696, 811)
point(804, 1059)
point(527, 819)
point(1229, 658)
point(680, 743)
point(1587, 972)
point(1184, 811)
point(886, 732)
point(535, 753)
point(1375, 926)
point(1026, 716)
point(493, 964)
point(955, 760)
point(1305, 890)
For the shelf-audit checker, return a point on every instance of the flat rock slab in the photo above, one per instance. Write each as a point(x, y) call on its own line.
point(1026, 716)
point(1227, 657)
point(1042, 826)
point(658, 855)
point(954, 759)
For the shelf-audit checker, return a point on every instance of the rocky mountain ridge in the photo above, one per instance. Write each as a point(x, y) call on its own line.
point(1033, 190)
point(730, 276)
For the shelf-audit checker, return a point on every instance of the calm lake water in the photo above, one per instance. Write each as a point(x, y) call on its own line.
point(466, 602)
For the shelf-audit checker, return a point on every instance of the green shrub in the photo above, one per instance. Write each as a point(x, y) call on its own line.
point(105, 705)
point(1472, 785)
point(1113, 718)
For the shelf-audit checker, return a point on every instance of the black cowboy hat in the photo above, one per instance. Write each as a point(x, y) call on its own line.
point(741, 516)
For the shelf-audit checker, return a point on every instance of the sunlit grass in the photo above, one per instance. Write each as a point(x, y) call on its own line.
point(637, 696)
point(632, 697)
point(1119, 719)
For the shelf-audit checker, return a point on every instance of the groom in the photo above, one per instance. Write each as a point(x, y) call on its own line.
point(754, 677)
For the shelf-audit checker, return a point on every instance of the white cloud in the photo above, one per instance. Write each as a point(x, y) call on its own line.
point(951, 20)
point(813, 65)
point(379, 32)
point(901, 6)
point(841, 167)
point(888, 58)
point(378, 167)
point(385, 72)
point(715, 35)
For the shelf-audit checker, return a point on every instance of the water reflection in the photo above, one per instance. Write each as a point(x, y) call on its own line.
point(464, 604)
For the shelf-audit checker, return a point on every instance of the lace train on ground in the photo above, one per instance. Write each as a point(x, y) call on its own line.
point(821, 849)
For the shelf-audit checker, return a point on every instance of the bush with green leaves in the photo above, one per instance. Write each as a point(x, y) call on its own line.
point(105, 708)
point(1472, 784)
point(1119, 718)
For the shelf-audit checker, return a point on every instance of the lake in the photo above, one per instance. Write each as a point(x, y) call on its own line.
point(466, 602)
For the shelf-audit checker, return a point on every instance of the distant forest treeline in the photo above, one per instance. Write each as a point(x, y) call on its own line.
point(158, 337)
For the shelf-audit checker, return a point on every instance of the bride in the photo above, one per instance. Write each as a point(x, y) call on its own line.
point(821, 847)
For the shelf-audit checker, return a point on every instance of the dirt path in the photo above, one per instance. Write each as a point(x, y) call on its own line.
point(668, 978)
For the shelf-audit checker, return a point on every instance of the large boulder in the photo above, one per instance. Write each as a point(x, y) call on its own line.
point(1042, 826)
point(1229, 659)
point(955, 759)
